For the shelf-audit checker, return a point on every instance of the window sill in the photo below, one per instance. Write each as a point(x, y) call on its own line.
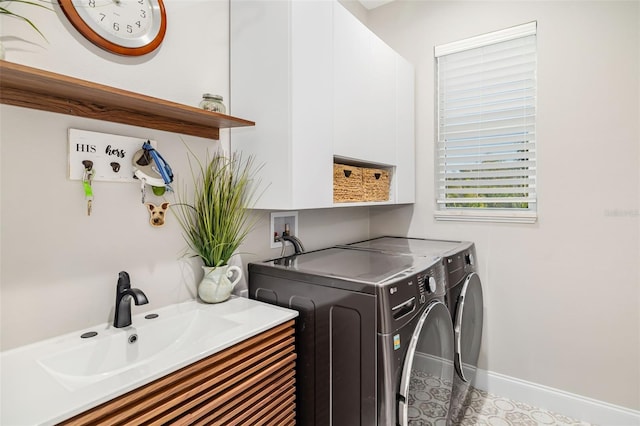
point(486, 216)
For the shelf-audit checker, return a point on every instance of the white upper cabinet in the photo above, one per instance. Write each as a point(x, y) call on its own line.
point(285, 83)
point(405, 150)
point(318, 84)
point(365, 92)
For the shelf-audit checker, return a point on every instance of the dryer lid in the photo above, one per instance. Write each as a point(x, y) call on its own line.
point(412, 246)
point(356, 265)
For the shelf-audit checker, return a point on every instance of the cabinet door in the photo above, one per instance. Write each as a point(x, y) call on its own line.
point(364, 91)
point(311, 104)
point(350, 70)
point(381, 103)
point(259, 77)
point(404, 179)
point(281, 77)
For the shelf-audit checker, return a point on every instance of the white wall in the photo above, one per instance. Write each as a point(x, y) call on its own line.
point(562, 297)
point(58, 266)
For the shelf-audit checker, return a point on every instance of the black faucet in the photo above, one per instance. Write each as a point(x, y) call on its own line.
point(124, 294)
point(297, 244)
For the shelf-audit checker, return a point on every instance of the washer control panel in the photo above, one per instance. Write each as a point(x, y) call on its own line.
point(432, 282)
point(460, 264)
point(400, 301)
point(427, 285)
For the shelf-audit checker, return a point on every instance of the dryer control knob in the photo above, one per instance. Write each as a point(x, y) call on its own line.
point(469, 259)
point(432, 285)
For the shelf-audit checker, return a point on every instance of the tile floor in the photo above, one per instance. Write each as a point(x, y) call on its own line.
point(429, 398)
point(484, 409)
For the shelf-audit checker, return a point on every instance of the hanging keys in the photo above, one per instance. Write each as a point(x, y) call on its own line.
point(86, 183)
point(143, 189)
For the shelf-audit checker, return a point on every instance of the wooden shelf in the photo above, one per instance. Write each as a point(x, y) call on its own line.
point(28, 87)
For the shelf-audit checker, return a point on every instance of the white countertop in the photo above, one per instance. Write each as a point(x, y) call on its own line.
point(31, 395)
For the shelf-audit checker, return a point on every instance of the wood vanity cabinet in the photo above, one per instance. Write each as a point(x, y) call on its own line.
point(252, 382)
point(322, 88)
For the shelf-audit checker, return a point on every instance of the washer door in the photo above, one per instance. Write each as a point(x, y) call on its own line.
point(468, 327)
point(427, 374)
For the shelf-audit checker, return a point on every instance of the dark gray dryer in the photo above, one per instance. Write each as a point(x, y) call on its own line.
point(464, 300)
point(371, 325)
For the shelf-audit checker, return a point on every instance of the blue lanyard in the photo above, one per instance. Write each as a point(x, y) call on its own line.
point(162, 166)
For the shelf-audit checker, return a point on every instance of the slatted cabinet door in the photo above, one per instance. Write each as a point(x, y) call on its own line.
point(251, 383)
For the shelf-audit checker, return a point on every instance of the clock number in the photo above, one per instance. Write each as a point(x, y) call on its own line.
point(102, 16)
point(129, 29)
point(116, 26)
point(143, 13)
point(92, 3)
point(140, 2)
point(138, 24)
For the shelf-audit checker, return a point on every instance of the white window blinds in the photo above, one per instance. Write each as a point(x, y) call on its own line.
point(486, 129)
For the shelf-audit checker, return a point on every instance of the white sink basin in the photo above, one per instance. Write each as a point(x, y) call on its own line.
point(112, 351)
point(49, 381)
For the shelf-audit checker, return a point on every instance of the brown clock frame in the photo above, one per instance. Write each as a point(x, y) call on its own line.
point(83, 28)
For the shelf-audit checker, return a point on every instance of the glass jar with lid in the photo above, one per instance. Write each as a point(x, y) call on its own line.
point(213, 103)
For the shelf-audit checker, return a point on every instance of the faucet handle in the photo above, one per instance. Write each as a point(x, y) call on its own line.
point(124, 282)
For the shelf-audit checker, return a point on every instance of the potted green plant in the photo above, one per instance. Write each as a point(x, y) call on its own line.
point(216, 219)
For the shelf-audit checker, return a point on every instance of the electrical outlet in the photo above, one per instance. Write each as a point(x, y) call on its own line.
point(282, 222)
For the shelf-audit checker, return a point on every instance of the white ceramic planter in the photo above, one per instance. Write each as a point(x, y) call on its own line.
point(216, 285)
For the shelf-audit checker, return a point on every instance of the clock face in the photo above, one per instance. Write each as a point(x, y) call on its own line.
point(127, 27)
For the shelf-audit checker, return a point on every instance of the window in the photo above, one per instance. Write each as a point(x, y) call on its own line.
point(486, 127)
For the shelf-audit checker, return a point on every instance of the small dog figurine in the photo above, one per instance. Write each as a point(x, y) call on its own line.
point(156, 213)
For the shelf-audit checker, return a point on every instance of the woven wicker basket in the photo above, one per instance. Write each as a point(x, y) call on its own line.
point(347, 184)
point(376, 184)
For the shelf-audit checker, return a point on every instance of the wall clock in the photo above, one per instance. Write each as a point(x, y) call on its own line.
point(125, 27)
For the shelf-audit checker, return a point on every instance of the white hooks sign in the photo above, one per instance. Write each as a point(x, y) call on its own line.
point(110, 155)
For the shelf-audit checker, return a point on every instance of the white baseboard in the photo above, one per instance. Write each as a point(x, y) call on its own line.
point(572, 405)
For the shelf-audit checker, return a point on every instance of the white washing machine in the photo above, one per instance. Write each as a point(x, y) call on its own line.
point(463, 299)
